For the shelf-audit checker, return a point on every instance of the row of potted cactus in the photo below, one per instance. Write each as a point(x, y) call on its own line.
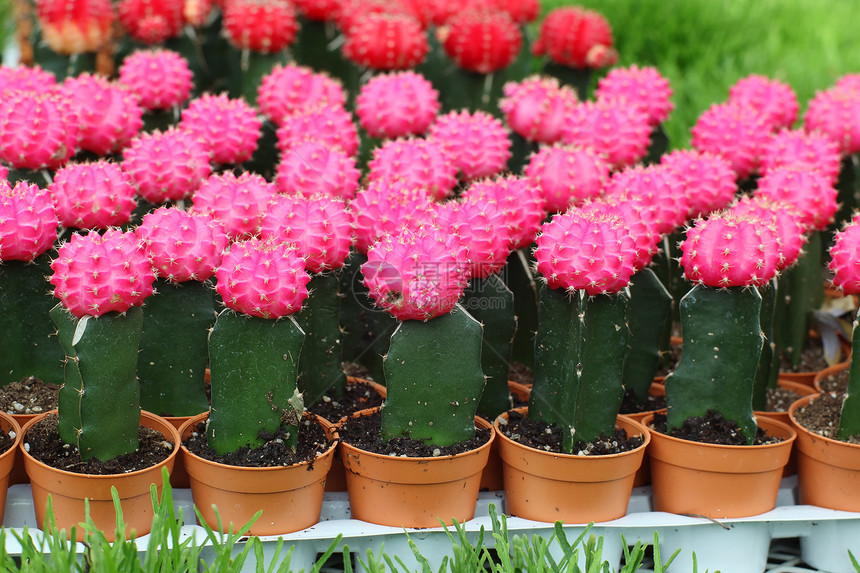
point(403, 235)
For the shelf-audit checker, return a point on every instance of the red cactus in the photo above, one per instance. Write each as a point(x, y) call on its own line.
point(75, 26)
point(577, 38)
point(328, 124)
point(237, 202)
point(151, 21)
point(785, 220)
point(657, 190)
point(264, 26)
point(386, 42)
point(26, 78)
point(845, 258)
point(384, 207)
point(834, 112)
point(310, 168)
point(521, 200)
point(482, 41)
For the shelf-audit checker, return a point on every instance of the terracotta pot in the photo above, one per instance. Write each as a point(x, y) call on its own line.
point(791, 467)
point(643, 474)
point(68, 490)
point(8, 458)
point(19, 473)
point(546, 486)
point(336, 480)
point(290, 496)
point(718, 481)
point(828, 471)
point(491, 477)
point(178, 477)
point(827, 372)
point(414, 492)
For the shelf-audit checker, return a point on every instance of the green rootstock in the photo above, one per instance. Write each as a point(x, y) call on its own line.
point(579, 357)
point(719, 358)
point(767, 374)
point(434, 379)
point(491, 303)
point(99, 404)
point(649, 315)
point(254, 366)
point(849, 423)
point(28, 343)
point(320, 366)
point(520, 278)
point(801, 291)
point(174, 348)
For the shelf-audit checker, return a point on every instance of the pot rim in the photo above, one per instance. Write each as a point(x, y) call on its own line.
point(814, 435)
point(761, 421)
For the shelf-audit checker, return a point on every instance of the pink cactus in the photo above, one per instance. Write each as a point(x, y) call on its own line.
point(37, 131)
point(109, 115)
point(807, 190)
point(642, 230)
point(384, 207)
point(482, 41)
point(95, 274)
point(75, 26)
point(237, 202)
point(567, 175)
point(845, 258)
point(265, 26)
point(521, 200)
point(291, 89)
point(328, 124)
point(708, 180)
point(385, 41)
point(849, 82)
point(266, 279)
point(476, 142)
point(615, 128)
point(415, 275)
point(536, 107)
point(4, 172)
point(590, 252)
point(774, 100)
point(166, 165)
point(160, 78)
point(797, 147)
point(320, 228)
point(727, 251)
point(26, 78)
point(657, 190)
point(834, 113)
point(786, 222)
point(183, 246)
point(735, 132)
point(418, 162)
point(643, 87)
point(228, 128)
point(397, 104)
point(150, 21)
point(93, 195)
point(28, 222)
point(480, 226)
point(577, 38)
point(310, 167)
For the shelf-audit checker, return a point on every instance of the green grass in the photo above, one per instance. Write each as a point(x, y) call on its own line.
point(703, 46)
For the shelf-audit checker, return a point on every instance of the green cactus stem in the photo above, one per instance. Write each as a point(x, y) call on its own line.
point(99, 404)
point(491, 303)
point(320, 366)
point(719, 358)
point(579, 356)
point(649, 315)
point(657, 146)
point(174, 348)
point(801, 292)
point(521, 281)
point(577, 78)
point(434, 379)
point(767, 374)
point(254, 368)
point(317, 46)
point(849, 421)
point(247, 68)
point(847, 186)
point(29, 346)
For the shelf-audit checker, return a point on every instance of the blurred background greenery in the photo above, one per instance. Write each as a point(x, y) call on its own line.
point(704, 46)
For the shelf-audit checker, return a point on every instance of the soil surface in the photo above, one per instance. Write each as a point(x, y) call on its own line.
point(363, 432)
point(356, 370)
point(273, 453)
point(29, 396)
point(711, 428)
point(6, 440)
point(357, 397)
point(779, 399)
point(629, 405)
point(44, 443)
point(811, 359)
point(519, 372)
point(836, 383)
point(539, 435)
point(822, 416)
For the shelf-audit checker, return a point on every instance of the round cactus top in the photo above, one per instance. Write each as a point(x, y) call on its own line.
point(28, 221)
point(476, 142)
point(613, 127)
point(577, 38)
point(228, 128)
point(397, 104)
point(160, 78)
point(386, 41)
point(845, 258)
point(260, 26)
point(262, 278)
point(568, 175)
point(642, 87)
point(708, 179)
point(536, 106)
point(808, 190)
point(735, 132)
point(482, 41)
point(774, 100)
point(94, 195)
point(833, 112)
point(95, 274)
point(151, 22)
point(786, 221)
point(289, 89)
point(797, 147)
point(481, 227)
point(26, 78)
point(384, 207)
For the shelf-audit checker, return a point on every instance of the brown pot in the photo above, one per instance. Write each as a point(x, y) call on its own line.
point(791, 467)
point(823, 374)
point(8, 459)
point(414, 492)
point(178, 477)
point(491, 477)
point(19, 473)
point(546, 486)
point(718, 481)
point(643, 474)
point(290, 496)
point(68, 490)
point(828, 471)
